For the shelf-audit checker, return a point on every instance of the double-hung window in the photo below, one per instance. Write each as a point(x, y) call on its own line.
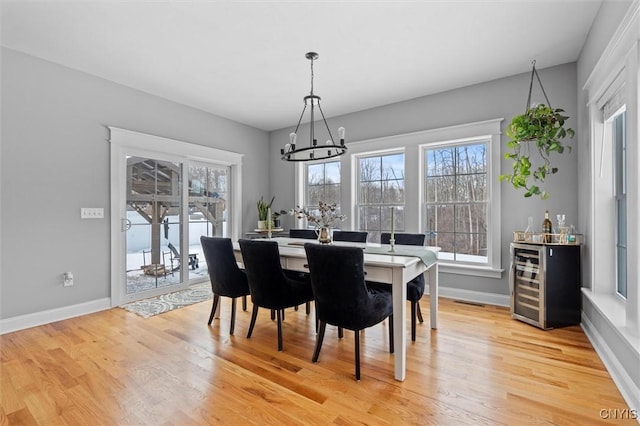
point(380, 188)
point(618, 127)
point(457, 200)
point(321, 183)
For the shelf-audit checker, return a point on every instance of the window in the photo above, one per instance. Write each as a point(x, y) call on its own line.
point(457, 200)
point(321, 183)
point(380, 187)
point(618, 123)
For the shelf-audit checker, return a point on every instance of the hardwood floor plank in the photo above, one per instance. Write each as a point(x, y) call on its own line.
point(479, 367)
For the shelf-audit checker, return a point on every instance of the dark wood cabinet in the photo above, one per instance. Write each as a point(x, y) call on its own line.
point(545, 284)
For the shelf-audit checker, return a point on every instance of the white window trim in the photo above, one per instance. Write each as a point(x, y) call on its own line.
point(616, 72)
point(125, 141)
point(413, 145)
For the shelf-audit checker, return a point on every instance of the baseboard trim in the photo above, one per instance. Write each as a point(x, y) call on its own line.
point(35, 319)
point(472, 296)
point(630, 392)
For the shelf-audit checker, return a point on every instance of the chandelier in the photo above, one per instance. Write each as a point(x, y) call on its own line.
point(314, 151)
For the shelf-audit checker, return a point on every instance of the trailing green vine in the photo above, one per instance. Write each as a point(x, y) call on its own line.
point(545, 127)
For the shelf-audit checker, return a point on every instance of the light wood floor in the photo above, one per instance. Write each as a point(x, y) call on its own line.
point(479, 367)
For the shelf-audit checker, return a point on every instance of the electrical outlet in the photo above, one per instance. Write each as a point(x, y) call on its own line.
point(67, 279)
point(91, 213)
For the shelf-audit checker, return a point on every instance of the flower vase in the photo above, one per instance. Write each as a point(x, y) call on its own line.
point(324, 236)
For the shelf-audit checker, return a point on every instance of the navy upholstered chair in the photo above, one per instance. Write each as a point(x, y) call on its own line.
point(227, 279)
point(351, 236)
point(270, 287)
point(415, 287)
point(307, 234)
point(341, 295)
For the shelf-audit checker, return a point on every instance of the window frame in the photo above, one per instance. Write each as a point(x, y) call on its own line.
point(413, 143)
point(486, 140)
point(382, 205)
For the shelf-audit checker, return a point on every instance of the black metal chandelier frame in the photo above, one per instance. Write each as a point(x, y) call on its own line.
point(314, 151)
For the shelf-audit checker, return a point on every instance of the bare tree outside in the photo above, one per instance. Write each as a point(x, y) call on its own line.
point(380, 187)
point(457, 200)
point(323, 184)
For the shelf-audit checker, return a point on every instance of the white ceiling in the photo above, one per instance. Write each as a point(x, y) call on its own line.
point(244, 60)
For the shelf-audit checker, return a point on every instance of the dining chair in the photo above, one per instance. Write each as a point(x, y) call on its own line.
point(270, 287)
point(342, 297)
point(227, 279)
point(351, 236)
point(415, 287)
point(307, 234)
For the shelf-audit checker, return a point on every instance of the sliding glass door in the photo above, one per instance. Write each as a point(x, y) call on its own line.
point(165, 194)
point(153, 224)
point(208, 210)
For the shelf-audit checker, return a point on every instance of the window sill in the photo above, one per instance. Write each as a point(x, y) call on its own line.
point(477, 271)
point(612, 308)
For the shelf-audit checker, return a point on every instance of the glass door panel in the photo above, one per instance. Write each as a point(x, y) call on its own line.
point(208, 211)
point(153, 239)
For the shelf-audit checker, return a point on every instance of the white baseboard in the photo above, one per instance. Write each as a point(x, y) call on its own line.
point(21, 322)
point(473, 296)
point(629, 390)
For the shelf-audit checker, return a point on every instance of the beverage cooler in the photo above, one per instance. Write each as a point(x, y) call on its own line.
point(545, 284)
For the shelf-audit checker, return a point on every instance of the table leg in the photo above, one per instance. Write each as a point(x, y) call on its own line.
point(433, 295)
point(399, 292)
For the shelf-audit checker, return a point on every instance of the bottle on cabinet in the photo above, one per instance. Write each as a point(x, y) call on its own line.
point(547, 228)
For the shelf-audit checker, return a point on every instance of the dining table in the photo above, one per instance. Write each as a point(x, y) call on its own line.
point(395, 266)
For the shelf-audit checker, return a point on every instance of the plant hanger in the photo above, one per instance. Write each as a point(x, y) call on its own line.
point(534, 72)
point(542, 125)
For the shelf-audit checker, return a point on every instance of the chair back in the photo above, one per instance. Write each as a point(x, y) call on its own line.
point(267, 281)
point(351, 236)
point(403, 239)
point(307, 234)
point(227, 279)
point(339, 289)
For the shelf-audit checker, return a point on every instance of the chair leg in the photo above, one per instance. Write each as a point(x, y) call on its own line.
point(414, 306)
point(308, 308)
point(273, 314)
point(233, 315)
point(216, 298)
point(391, 344)
point(357, 340)
point(340, 333)
point(244, 303)
point(319, 338)
point(279, 315)
point(419, 312)
point(254, 315)
point(295, 308)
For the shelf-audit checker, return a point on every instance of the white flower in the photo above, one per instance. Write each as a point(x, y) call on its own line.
point(325, 216)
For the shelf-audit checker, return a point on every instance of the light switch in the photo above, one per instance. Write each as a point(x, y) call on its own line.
point(91, 213)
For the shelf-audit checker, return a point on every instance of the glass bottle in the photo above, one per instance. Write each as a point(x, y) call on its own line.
point(547, 228)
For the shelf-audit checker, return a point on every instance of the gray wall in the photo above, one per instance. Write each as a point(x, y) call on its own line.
point(503, 98)
point(55, 160)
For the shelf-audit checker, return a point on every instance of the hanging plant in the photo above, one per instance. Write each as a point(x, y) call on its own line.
point(543, 127)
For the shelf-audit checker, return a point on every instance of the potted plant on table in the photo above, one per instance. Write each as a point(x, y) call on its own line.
point(263, 212)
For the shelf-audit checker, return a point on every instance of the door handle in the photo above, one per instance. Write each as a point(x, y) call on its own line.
point(125, 225)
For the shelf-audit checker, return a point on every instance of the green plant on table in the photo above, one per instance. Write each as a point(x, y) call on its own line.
point(263, 208)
